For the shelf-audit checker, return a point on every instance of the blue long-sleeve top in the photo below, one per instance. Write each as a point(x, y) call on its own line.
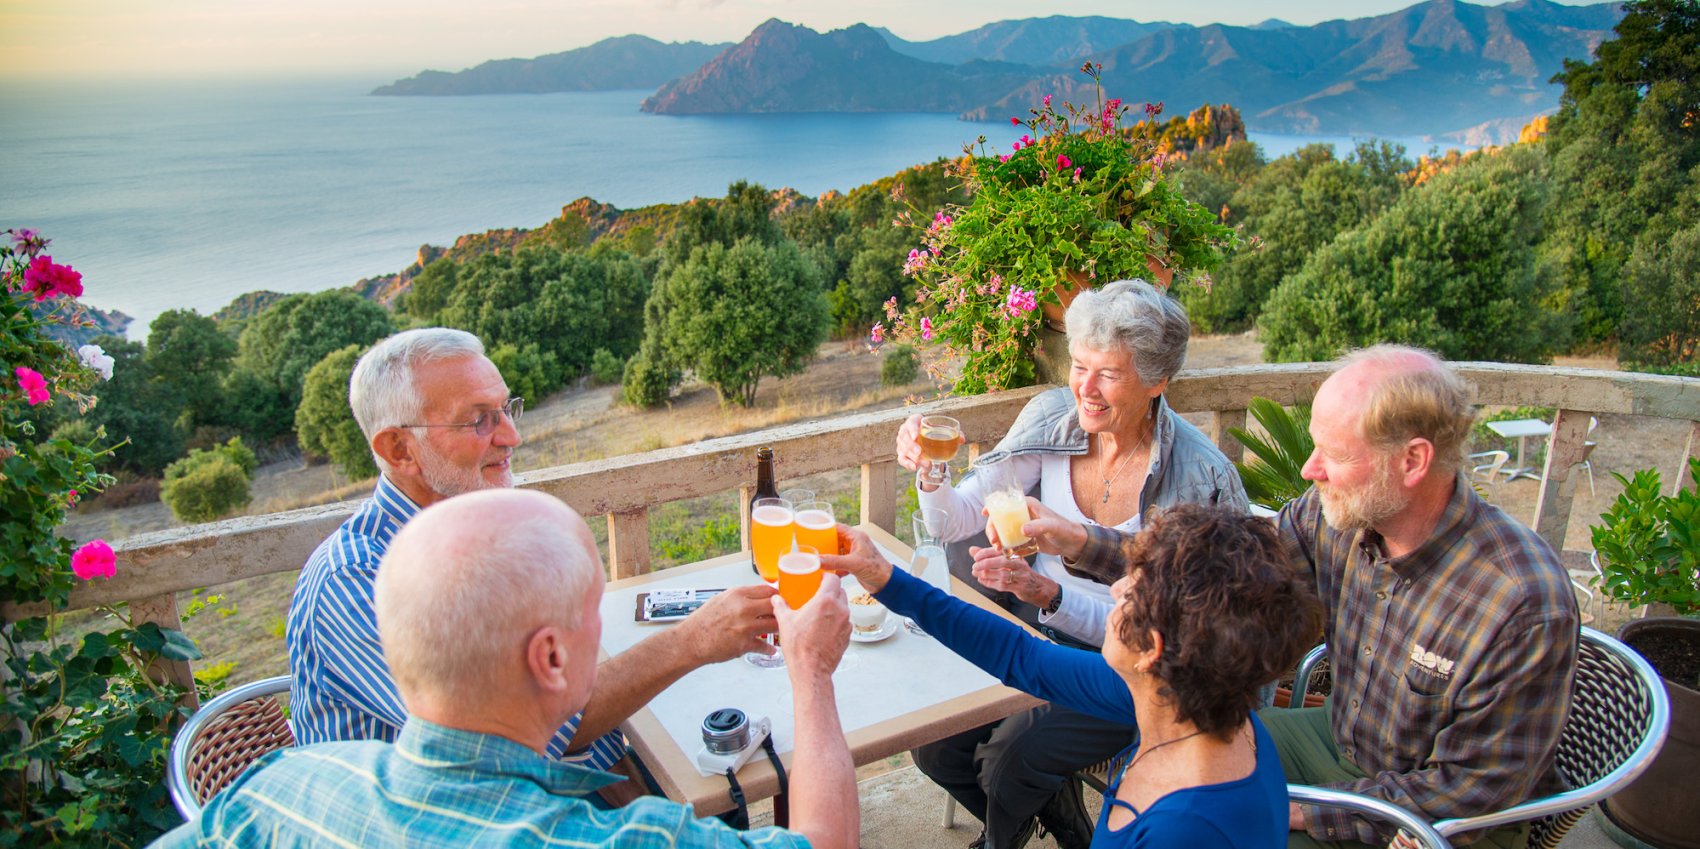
point(1248, 813)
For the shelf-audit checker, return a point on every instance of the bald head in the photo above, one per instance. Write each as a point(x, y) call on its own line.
point(1397, 393)
point(466, 583)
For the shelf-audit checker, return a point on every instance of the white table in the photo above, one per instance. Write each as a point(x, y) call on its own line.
point(1521, 430)
point(893, 695)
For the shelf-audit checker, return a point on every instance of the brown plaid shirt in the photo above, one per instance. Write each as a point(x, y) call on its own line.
point(1452, 665)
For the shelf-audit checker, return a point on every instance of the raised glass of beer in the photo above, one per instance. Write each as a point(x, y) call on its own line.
point(772, 533)
point(816, 527)
point(799, 575)
point(772, 525)
point(939, 438)
point(1006, 506)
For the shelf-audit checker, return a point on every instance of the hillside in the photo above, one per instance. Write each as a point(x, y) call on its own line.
point(1438, 67)
point(783, 67)
point(626, 62)
point(1042, 42)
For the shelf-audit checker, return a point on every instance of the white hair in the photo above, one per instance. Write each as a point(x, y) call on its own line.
point(382, 391)
point(452, 617)
point(1132, 316)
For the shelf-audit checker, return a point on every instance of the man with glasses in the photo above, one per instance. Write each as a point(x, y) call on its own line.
point(437, 415)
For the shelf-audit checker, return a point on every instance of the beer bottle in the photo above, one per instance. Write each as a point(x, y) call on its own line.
point(765, 488)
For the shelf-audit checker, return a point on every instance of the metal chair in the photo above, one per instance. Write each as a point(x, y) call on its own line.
point(223, 738)
point(1413, 828)
point(1619, 714)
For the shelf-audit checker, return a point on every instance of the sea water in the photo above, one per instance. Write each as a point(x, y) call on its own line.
point(186, 195)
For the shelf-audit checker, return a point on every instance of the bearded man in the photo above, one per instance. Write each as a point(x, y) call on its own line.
point(1452, 629)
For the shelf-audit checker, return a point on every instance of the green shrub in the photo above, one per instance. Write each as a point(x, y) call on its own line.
point(1649, 544)
point(324, 424)
point(605, 367)
point(900, 366)
point(531, 372)
point(209, 484)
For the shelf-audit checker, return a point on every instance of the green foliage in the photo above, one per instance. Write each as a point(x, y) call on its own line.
point(675, 538)
point(1664, 273)
point(138, 405)
point(567, 304)
point(1625, 144)
point(1451, 266)
point(1291, 208)
point(278, 346)
point(209, 483)
point(899, 367)
point(1084, 203)
point(606, 367)
point(190, 356)
point(324, 423)
point(1275, 476)
point(648, 376)
point(1649, 544)
point(531, 372)
point(735, 315)
point(83, 731)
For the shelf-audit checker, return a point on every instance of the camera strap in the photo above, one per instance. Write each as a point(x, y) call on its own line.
point(739, 818)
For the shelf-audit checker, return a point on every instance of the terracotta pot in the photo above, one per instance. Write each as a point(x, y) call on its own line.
point(1658, 808)
point(1284, 698)
point(1161, 277)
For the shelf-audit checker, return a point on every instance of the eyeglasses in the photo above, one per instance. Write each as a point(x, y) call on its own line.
point(487, 420)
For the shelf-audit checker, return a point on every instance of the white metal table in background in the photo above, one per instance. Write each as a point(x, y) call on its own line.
point(1521, 430)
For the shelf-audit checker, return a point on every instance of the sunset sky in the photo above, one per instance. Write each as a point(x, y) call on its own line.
point(388, 38)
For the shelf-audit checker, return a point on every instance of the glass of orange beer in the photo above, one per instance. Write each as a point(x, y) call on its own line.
point(816, 527)
point(772, 533)
point(799, 575)
point(1006, 506)
point(939, 438)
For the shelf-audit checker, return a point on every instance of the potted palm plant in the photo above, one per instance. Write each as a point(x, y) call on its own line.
point(1079, 201)
point(1648, 549)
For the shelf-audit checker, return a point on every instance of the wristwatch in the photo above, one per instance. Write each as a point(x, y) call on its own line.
point(1056, 603)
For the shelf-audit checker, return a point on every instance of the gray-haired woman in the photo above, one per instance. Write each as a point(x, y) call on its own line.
point(1105, 450)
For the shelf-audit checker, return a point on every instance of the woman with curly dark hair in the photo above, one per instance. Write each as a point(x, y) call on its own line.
point(1206, 615)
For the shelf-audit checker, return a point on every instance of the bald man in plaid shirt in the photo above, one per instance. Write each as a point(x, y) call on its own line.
point(1452, 628)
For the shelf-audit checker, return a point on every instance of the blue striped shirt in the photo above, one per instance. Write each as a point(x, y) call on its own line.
point(340, 686)
point(441, 788)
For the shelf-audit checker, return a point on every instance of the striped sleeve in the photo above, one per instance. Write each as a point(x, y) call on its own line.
point(346, 633)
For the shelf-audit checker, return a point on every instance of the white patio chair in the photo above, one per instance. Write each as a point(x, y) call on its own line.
point(1619, 715)
point(223, 738)
point(1485, 466)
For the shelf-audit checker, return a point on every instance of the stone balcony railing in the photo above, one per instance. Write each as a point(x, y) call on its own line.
point(156, 567)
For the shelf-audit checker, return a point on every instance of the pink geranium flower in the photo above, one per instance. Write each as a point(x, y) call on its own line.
point(1063, 163)
point(877, 333)
point(926, 328)
point(47, 279)
point(94, 560)
point(28, 241)
point(917, 262)
point(1015, 122)
point(1020, 302)
point(33, 385)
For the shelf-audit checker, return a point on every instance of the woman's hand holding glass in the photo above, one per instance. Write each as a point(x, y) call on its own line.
point(861, 558)
point(926, 444)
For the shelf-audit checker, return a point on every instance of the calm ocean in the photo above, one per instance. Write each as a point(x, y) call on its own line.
point(187, 196)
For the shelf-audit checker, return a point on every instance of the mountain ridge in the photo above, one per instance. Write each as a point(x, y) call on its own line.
point(621, 62)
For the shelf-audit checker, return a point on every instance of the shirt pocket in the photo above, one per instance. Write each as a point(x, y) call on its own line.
point(1421, 705)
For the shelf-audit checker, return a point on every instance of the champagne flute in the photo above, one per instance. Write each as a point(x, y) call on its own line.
point(1006, 506)
point(772, 533)
point(939, 438)
point(928, 562)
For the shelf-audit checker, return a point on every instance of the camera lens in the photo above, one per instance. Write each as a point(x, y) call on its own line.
point(726, 731)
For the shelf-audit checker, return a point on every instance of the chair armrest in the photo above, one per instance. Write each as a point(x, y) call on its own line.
point(1411, 824)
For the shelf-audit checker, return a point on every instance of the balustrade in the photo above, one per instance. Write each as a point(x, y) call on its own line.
point(154, 567)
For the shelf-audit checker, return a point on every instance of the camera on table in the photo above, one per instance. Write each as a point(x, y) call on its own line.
point(730, 739)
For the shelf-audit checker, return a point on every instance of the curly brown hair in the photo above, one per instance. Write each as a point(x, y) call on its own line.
point(1233, 615)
